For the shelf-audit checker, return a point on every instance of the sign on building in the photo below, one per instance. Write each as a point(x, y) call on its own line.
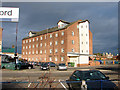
point(9, 14)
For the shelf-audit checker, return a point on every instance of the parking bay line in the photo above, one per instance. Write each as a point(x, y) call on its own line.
point(63, 85)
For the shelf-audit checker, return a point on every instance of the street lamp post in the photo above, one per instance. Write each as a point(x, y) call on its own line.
point(16, 43)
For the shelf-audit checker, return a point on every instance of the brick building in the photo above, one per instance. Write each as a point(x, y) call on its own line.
point(67, 42)
point(0, 43)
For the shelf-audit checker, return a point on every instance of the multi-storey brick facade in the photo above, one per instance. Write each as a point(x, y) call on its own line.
point(0, 43)
point(60, 44)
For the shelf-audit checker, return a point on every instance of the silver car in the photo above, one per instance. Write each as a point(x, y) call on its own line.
point(61, 66)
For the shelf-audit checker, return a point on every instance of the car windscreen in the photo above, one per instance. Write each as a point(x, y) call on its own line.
point(91, 75)
point(45, 64)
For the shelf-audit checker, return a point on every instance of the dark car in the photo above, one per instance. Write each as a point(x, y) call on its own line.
point(23, 65)
point(39, 63)
point(51, 64)
point(94, 79)
point(44, 66)
point(34, 63)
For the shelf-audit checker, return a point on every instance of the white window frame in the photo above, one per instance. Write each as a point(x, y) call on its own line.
point(30, 40)
point(41, 38)
point(50, 51)
point(73, 50)
point(62, 41)
point(32, 52)
point(23, 53)
point(23, 41)
point(37, 38)
point(26, 41)
point(33, 46)
point(73, 33)
point(40, 44)
point(50, 58)
point(73, 42)
point(55, 58)
point(62, 50)
point(45, 59)
point(37, 52)
point(45, 44)
point(62, 58)
point(33, 39)
point(37, 45)
point(45, 51)
point(29, 46)
point(40, 51)
point(45, 36)
point(56, 50)
point(56, 42)
point(23, 47)
point(50, 43)
point(29, 52)
point(62, 33)
point(56, 35)
point(26, 47)
point(50, 35)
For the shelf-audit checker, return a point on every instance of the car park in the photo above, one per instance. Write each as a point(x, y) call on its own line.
point(44, 66)
point(61, 66)
point(94, 80)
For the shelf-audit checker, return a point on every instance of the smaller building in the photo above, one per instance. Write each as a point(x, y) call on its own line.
point(0, 43)
point(10, 52)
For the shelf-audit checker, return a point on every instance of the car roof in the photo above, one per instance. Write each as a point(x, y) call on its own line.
point(87, 70)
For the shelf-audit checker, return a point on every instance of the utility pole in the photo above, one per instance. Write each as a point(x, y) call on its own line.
point(16, 44)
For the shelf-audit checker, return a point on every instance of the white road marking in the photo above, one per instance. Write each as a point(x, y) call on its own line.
point(29, 85)
point(63, 85)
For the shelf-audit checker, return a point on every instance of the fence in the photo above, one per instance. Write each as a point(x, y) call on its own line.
point(42, 83)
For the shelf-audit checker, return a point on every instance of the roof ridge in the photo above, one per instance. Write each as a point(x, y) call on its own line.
point(49, 30)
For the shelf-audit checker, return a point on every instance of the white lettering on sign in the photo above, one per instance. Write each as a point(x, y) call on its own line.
point(9, 12)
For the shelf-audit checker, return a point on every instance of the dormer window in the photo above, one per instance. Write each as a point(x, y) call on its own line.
point(31, 33)
point(62, 24)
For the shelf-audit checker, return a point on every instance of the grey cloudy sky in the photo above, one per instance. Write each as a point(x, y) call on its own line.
point(38, 16)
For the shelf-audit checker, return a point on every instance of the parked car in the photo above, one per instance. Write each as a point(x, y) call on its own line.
point(34, 63)
point(19, 65)
point(95, 80)
point(61, 66)
point(44, 66)
point(39, 63)
point(51, 64)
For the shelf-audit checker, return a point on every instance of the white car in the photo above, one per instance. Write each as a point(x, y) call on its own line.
point(61, 66)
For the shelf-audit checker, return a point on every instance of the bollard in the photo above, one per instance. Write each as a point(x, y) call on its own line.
point(104, 62)
point(113, 62)
point(84, 85)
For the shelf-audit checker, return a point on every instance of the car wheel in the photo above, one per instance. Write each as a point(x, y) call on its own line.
point(3, 67)
point(29, 67)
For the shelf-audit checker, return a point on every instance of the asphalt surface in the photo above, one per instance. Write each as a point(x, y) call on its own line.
point(52, 78)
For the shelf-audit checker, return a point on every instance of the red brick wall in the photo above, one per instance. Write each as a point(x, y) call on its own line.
point(90, 43)
point(47, 48)
point(67, 46)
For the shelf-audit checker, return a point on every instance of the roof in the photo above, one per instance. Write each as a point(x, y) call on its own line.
point(63, 21)
point(53, 29)
point(9, 50)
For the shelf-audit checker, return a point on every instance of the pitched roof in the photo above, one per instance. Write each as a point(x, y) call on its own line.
point(53, 29)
